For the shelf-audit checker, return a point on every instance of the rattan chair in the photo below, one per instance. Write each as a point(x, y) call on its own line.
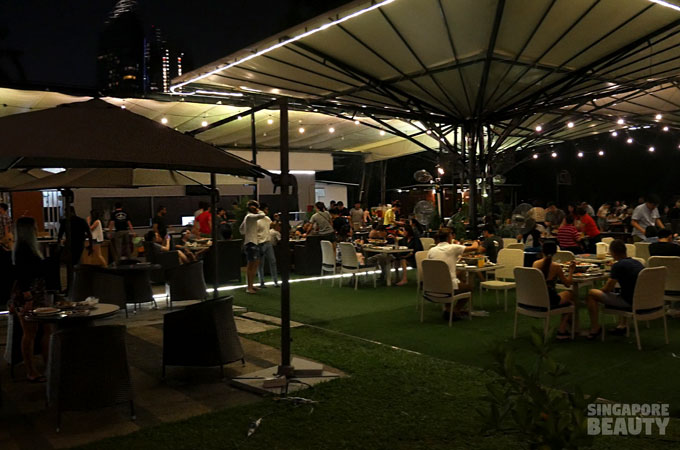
point(88, 369)
point(202, 335)
point(186, 282)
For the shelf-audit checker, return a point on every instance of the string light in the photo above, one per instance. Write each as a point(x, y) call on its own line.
point(440, 170)
point(301, 130)
point(428, 132)
point(658, 117)
point(665, 128)
point(382, 132)
point(580, 154)
point(601, 153)
point(331, 130)
point(629, 140)
point(204, 124)
point(535, 156)
point(620, 121)
point(270, 121)
point(570, 124)
point(539, 128)
point(356, 122)
point(651, 149)
point(554, 154)
point(164, 121)
point(123, 107)
point(615, 133)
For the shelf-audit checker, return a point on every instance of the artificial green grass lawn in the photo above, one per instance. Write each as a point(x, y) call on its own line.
point(391, 400)
point(614, 369)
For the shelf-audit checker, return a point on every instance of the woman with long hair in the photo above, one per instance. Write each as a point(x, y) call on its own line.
point(552, 273)
point(29, 292)
point(95, 223)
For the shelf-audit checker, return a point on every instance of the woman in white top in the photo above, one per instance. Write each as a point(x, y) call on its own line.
point(97, 237)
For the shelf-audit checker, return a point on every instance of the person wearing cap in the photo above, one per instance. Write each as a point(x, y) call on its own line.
point(248, 230)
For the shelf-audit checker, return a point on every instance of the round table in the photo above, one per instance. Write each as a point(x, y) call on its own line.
point(71, 317)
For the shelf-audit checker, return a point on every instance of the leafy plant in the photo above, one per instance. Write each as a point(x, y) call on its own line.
point(240, 212)
point(525, 400)
point(458, 224)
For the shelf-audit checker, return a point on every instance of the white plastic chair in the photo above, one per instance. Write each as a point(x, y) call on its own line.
point(642, 250)
point(601, 248)
point(672, 287)
point(608, 240)
point(350, 264)
point(515, 246)
point(509, 258)
point(648, 301)
point(420, 257)
point(327, 260)
point(630, 250)
point(640, 260)
point(533, 299)
point(508, 241)
point(438, 287)
point(427, 243)
point(564, 256)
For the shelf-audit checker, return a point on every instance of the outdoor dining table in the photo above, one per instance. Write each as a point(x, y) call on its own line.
point(73, 317)
point(136, 279)
point(468, 269)
point(590, 258)
point(579, 281)
point(389, 250)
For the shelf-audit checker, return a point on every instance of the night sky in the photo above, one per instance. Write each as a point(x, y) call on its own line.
point(58, 39)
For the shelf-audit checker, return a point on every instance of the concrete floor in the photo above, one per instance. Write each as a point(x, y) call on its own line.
point(26, 423)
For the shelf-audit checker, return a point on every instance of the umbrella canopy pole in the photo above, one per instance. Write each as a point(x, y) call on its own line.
point(67, 196)
point(285, 368)
point(214, 194)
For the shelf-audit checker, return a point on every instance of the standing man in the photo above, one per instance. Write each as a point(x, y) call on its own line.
point(645, 215)
point(356, 215)
point(160, 223)
point(248, 230)
point(120, 221)
point(75, 244)
point(6, 244)
point(264, 242)
point(390, 217)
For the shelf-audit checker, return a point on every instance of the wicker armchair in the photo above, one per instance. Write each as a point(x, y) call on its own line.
point(202, 335)
point(230, 257)
point(186, 282)
point(167, 260)
point(88, 369)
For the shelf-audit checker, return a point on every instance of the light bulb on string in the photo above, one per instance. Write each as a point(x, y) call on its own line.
point(164, 121)
point(301, 130)
point(601, 153)
point(539, 128)
point(356, 122)
point(535, 156)
point(651, 149)
point(204, 123)
point(615, 133)
point(570, 124)
point(270, 121)
point(580, 154)
point(382, 132)
point(665, 128)
point(658, 117)
point(554, 154)
point(620, 121)
point(331, 130)
point(629, 140)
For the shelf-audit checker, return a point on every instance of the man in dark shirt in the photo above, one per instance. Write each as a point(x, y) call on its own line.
point(120, 220)
point(160, 223)
point(340, 225)
point(624, 272)
point(74, 244)
point(665, 245)
point(491, 244)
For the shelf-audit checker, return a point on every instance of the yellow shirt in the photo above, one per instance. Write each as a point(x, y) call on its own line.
point(389, 218)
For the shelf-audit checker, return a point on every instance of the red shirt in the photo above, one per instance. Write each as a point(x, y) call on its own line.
point(204, 222)
point(589, 226)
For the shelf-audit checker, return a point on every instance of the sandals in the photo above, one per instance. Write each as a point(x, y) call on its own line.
point(595, 335)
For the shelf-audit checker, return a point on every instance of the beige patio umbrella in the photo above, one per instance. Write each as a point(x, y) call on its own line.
point(15, 177)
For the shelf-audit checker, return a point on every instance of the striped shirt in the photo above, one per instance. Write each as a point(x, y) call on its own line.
point(567, 236)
